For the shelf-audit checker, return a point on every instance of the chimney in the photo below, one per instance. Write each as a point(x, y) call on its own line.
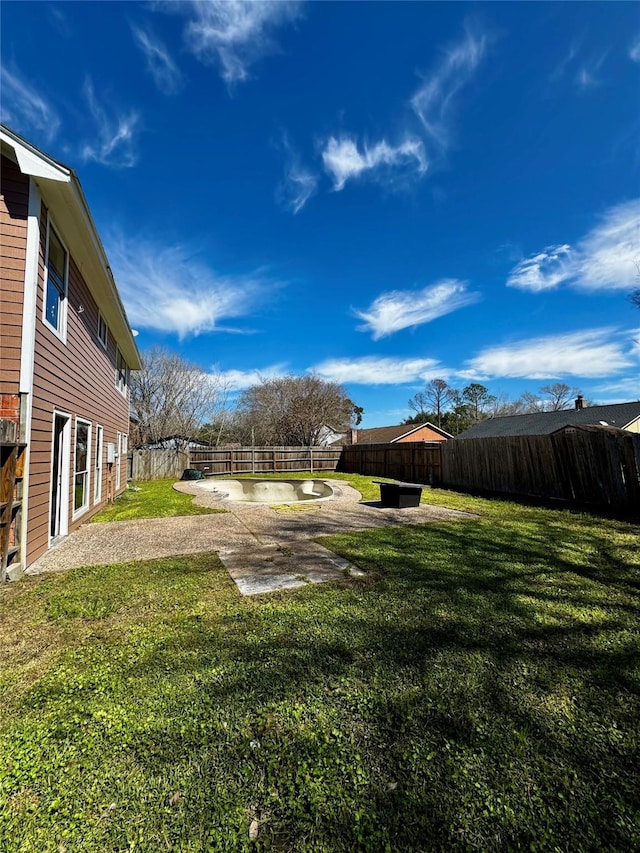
point(354, 436)
point(579, 402)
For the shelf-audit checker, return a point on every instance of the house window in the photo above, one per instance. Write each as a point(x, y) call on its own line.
point(56, 285)
point(103, 330)
point(81, 471)
point(122, 373)
point(97, 471)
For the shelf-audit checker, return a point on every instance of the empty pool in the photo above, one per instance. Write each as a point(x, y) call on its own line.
point(269, 491)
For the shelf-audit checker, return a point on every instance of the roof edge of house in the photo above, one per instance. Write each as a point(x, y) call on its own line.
point(65, 184)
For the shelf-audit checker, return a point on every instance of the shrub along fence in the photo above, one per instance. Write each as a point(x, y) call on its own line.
point(264, 460)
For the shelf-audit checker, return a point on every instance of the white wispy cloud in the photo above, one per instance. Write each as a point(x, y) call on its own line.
point(435, 99)
point(59, 20)
point(115, 144)
point(604, 259)
point(634, 50)
point(299, 183)
point(588, 75)
point(402, 309)
point(166, 74)
point(233, 34)
point(24, 109)
point(620, 391)
point(346, 157)
point(579, 71)
point(166, 288)
point(343, 160)
point(543, 271)
point(589, 353)
point(560, 69)
point(608, 255)
point(239, 380)
point(371, 370)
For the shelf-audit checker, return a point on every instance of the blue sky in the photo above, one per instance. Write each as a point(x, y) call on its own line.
point(380, 193)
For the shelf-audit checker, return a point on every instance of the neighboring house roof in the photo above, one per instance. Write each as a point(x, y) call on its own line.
point(391, 434)
point(62, 193)
point(607, 430)
point(620, 415)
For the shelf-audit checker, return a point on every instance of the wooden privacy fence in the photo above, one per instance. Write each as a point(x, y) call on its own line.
point(157, 464)
point(411, 461)
point(264, 460)
point(599, 467)
point(587, 467)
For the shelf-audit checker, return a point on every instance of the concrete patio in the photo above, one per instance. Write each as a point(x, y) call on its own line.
point(263, 547)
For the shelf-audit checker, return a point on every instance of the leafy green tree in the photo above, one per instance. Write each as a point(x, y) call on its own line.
point(477, 400)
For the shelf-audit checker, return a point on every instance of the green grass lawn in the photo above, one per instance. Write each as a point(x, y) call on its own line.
point(478, 690)
point(156, 499)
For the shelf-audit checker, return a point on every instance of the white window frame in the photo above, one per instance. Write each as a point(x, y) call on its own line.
point(118, 455)
point(62, 487)
point(98, 464)
point(102, 323)
point(120, 385)
point(125, 454)
point(77, 512)
point(60, 332)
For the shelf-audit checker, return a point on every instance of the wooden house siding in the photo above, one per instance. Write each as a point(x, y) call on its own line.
point(75, 377)
point(14, 204)
point(423, 434)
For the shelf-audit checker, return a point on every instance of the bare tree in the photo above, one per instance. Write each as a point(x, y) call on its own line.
point(502, 405)
point(295, 410)
point(439, 394)
point(559, 396)
point(530, 403)
point(434, 399)
point(419, 405)
point(171, 399)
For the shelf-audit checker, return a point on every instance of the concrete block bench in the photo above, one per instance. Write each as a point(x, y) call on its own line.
point(399, 495)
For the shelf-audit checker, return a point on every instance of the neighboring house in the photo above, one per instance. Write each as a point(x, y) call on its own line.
point(625, 416)
point(401, 433)
point(66, 349)
point(328, 435)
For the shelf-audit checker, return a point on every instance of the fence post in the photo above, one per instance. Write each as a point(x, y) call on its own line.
point(253, 460)
point(311, 459)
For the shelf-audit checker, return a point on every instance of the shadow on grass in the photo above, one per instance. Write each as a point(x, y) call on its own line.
point(482, 693)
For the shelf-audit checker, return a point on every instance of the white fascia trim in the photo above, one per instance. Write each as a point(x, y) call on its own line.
point(33, 162)
point(30, 291)
point(27, 350)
